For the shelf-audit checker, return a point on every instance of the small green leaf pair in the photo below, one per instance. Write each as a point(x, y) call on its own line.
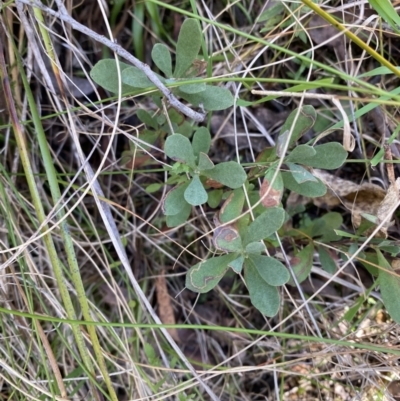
point(327, 156)
point(193, 155)
point(262, 273)
point(209, 97)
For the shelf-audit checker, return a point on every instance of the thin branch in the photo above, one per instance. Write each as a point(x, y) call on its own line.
point(64, 16)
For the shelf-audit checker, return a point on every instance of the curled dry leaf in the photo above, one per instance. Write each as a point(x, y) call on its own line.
point(270, 196)
point(165, 309)
point(360, 199)
point(388, 206)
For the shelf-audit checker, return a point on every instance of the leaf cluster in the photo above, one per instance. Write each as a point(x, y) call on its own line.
point(182, 78)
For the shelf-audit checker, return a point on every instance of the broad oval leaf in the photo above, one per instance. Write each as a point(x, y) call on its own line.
point(255, 247)
point(162, 58)
point(179, 148)
point(265, 225)
point(204, 163)
point(195, 193)
point(302, 264)
point(214, 198)
point(237, 264)
point(301, 154)
point(174, 200)
point(105, 74)
point(230, 174)
point(309, 188)
point(233, 206)
point(327, 262)
point(136, 78)
point(271, 270)
point(179, 218)
point(227, 238)
point(213, 98)
point(204, 276)
point(146, 118)
point(305, 121)
point(328, 156)
point(263, 296)
point(201, 141)
point(389, 282)
point(300, 174)
point(193, 88)
point(187, 47)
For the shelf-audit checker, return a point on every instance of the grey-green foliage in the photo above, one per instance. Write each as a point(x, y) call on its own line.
point(243, 241)
point(105, 72)
point(262, 274)
point(193, 161)
point(389, 281)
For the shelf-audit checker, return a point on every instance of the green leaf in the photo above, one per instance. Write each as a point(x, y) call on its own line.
point(201, 141)
point(195, 193)
point(389, 282)
point(389, 247)
point(370, 262)
point(271, 12)
point(153, 187)
point(302, 264)
point(179, 148)
point(265, 225)
point(204, 276)
point(328, 156)
point(270, 270)
point(309, 188)
point(230, 174)
point(301, 154)
point(205, 162)
point(327, 262)
point(213, 98)
point(386, 11)
point(162, 58)
point(136, 78)
point(304, 122)
point(175, 201)
point(255, 247)
point(105, 74)
point(237, 264)
point(146, 118)
point(263, 296)
point(227, 238)
point(300, 174)
point(233, 206)
point(187, 47)
point(377, 71)
point(326, 225)
point(214, 198)
point(193, 88)
point(179, 218)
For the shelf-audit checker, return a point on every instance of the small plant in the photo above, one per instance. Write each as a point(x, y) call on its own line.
point(242, 244)
point(193, 162)
point(183, 80)
point(245, 241)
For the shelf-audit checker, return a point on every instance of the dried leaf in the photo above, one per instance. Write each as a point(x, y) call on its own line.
point(359, 199)
point(388, 206)
point(165, 309)
point(271, 195)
